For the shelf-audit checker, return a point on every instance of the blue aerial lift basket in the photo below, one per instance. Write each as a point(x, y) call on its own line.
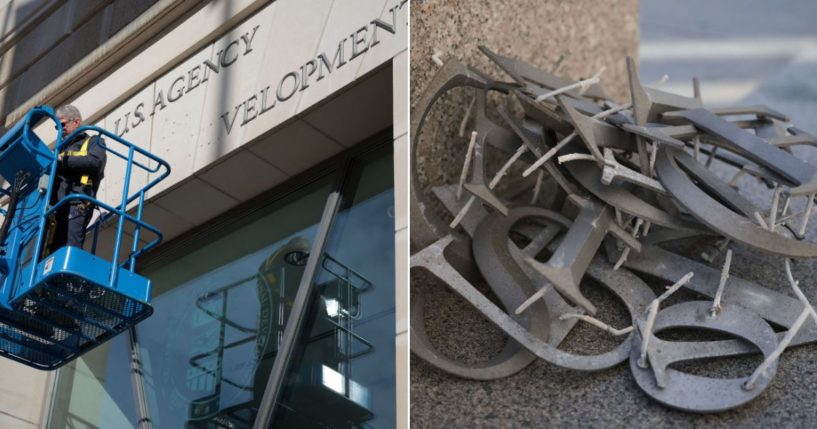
point(55, 307)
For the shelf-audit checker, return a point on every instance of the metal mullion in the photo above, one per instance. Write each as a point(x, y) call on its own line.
point(297, 314)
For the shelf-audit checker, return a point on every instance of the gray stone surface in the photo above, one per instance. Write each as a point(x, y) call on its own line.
point(588, 34)
point(58, 40)
point(591, 35)
point(59, 59)
point(125, 11)
point(83, 10)
point(543, 395)
point(48, 33)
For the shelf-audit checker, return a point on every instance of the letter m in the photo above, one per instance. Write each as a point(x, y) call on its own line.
point(337, 61)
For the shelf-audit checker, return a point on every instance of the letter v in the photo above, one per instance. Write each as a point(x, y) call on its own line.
point(228, 123)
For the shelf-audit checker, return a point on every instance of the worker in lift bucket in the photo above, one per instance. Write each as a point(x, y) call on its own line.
point(80, 169)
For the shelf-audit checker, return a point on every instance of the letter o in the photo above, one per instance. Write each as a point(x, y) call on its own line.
point(278, 93)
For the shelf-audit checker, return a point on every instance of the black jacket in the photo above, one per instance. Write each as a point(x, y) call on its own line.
point(82, 167)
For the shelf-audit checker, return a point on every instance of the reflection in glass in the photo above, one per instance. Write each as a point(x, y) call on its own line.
point(342, 370)
point(220, 331)
point(220, 310)
point(221, 306)
point(95, 390)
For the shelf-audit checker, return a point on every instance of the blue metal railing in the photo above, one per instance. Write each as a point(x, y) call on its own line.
point(56, 311)
point(120, 212)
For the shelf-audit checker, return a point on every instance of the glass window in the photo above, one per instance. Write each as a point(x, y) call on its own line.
point(342, 370)
point(213, 336)
point(207, 349)
point(94, 391)
point(221, 307)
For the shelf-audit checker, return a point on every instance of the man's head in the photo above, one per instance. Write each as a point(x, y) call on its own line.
point(70, 118)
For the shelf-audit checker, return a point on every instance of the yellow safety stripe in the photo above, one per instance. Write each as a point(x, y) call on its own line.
point(83, 151)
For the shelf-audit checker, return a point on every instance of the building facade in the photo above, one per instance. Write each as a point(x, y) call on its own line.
point(285, 125)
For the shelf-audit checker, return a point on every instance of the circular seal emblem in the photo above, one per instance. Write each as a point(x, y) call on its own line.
point(217, 339)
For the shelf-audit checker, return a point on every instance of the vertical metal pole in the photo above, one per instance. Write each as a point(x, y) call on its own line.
point(125, 190)
point(346, 335)
point(346, 358)
point(222, 338)
point(138, 382)
point(295, 321)
point(132, 263)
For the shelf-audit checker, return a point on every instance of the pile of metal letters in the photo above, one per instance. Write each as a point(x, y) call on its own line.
point(598, 190)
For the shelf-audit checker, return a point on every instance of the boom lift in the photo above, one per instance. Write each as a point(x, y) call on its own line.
point(56, 307)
